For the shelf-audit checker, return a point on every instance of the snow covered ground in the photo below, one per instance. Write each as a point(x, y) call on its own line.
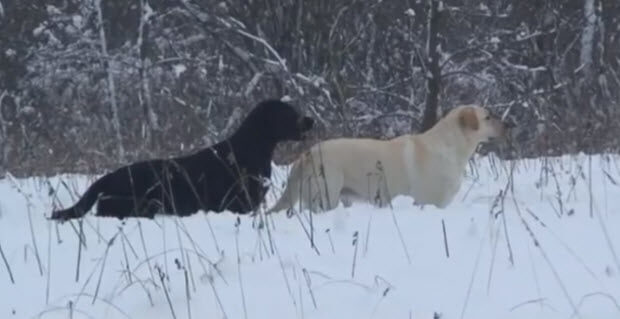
point(219, 266)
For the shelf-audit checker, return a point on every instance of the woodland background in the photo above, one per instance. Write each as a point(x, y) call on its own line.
point(89, 85)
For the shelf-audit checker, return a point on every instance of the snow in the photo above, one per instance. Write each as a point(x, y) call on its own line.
point(286, 99)
point(179, 69)
point(148, 11)
point(77, 21)
point(440, 6)
point(52, 10)
point(10, 52)
point(38, 30)
point(277, 274)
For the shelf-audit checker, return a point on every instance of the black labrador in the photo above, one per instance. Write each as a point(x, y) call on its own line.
point(229, 175)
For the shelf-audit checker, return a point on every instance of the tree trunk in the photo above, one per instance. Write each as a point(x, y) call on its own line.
point(433, 74)
point(111, 87)
point(144, 94)
point(587, 37)
point(4, 140)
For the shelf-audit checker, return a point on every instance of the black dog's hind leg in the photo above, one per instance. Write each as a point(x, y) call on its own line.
point(123, 207)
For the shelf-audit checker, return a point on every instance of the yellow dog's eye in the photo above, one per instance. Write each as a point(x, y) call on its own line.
point(488, 117)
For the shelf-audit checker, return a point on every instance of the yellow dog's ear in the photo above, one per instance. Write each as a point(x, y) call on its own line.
point(468, 118)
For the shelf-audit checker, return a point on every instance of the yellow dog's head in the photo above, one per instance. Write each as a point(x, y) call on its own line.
point(479, 124)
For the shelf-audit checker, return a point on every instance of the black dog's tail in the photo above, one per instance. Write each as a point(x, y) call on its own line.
point(83, 205)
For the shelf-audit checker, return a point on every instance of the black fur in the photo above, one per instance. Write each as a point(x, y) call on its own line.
point(225, 176)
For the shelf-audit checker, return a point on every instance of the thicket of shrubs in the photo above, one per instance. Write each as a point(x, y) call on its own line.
point(171, 76)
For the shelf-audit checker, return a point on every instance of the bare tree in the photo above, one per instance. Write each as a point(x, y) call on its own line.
point(373, 69)
point(4, 138)
point(144, 94)
point(587, 36)
point(116, 123)
point(433, 72)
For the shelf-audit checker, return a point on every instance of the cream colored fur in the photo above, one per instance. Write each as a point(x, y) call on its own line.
point(428, 167)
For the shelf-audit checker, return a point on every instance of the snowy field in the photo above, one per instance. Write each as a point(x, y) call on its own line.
point(366, 263)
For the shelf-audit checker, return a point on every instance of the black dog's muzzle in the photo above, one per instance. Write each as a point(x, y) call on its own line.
point(305, 123)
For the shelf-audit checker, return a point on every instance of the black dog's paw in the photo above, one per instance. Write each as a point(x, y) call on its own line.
point(290, 212)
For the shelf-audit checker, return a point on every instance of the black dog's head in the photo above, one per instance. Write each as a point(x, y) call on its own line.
point(281, 121)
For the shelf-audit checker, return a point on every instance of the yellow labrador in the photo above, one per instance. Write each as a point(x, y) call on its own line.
point(428, 167)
